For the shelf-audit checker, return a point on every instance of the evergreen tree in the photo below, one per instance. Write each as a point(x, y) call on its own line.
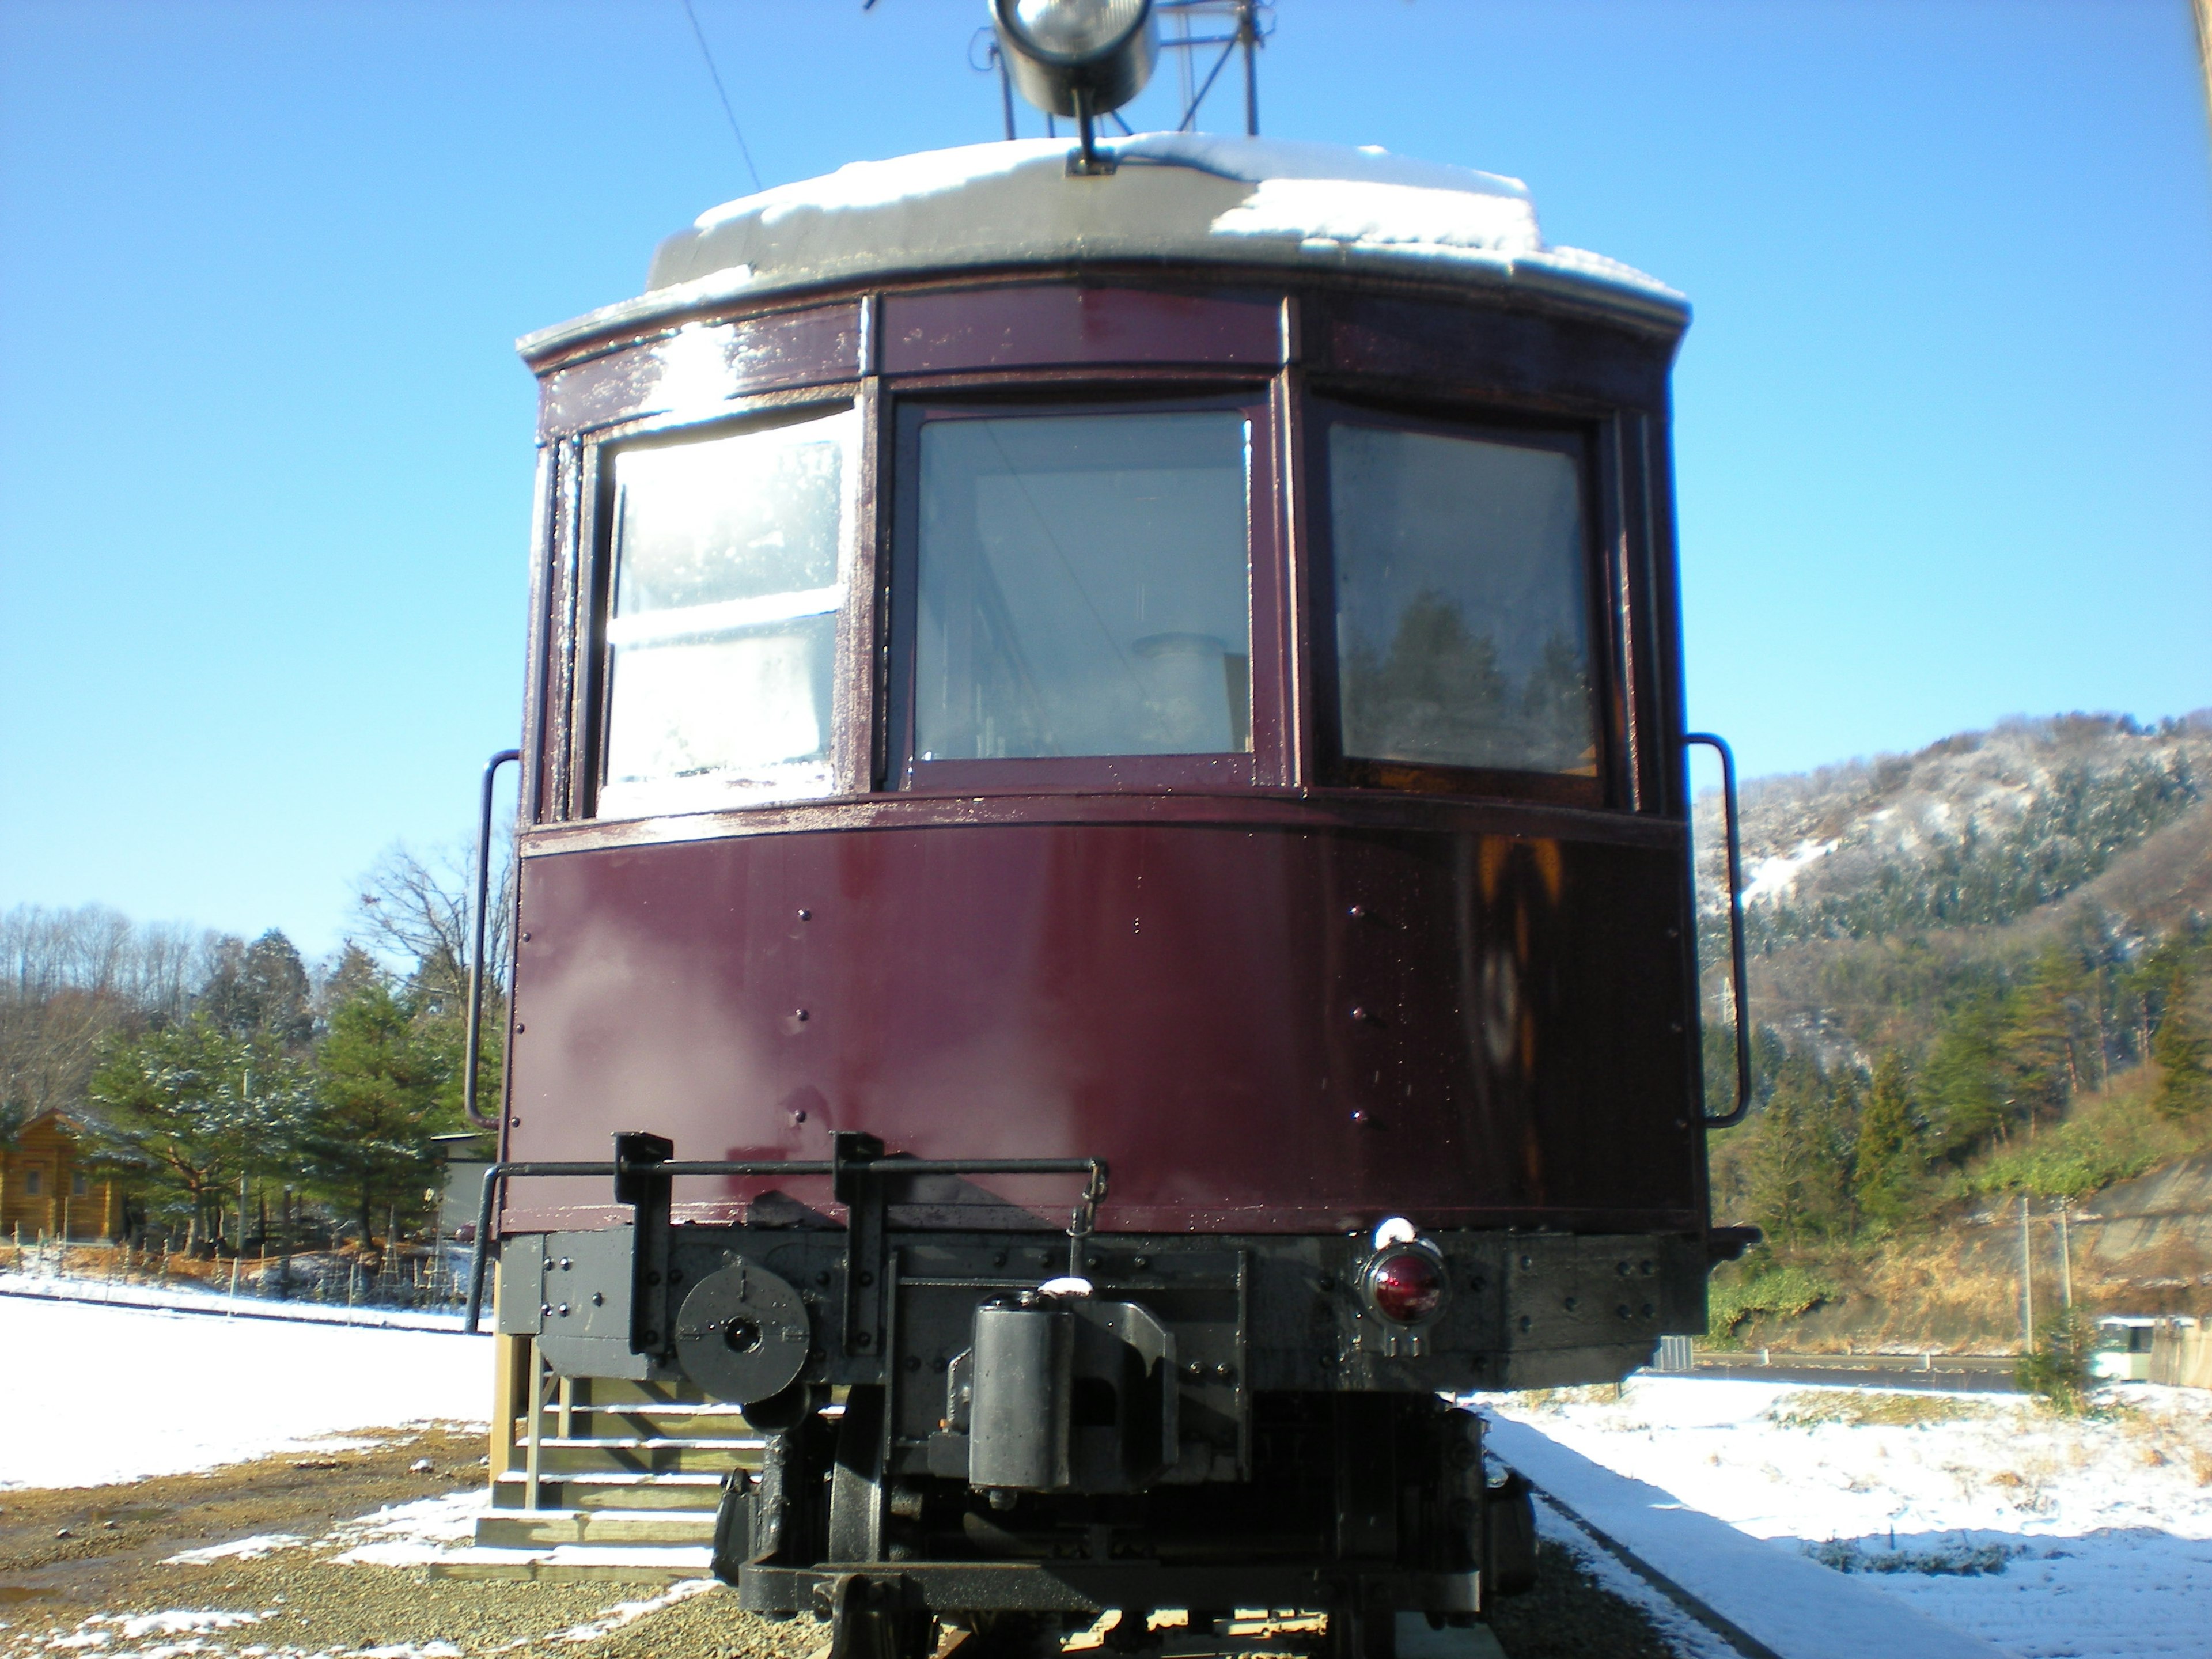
point(1964, 1082)
point(2184, 1053)
point(1888, 1173)
point(2039, 1033)
point(260, 990)
point(383, 1084)
point(195, 1108)
point(1793, 1166)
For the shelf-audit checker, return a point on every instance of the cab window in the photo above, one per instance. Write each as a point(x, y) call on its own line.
point(1083, 586)
point(729, 558)
point(1460, 566)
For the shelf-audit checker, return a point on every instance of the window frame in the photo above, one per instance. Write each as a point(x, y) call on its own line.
point(594, 687)
point(1324, 411)
point(901, 772)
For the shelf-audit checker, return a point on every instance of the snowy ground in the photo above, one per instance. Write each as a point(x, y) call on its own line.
point(126, 1392)
point(197, 1298)
point(2048, 1537)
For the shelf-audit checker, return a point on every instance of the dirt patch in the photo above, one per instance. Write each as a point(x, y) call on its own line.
point(84, 1574)
point(1570, 1616)
point(83, 1571)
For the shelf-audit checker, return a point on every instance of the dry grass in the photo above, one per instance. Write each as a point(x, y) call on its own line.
point(1813, 1407)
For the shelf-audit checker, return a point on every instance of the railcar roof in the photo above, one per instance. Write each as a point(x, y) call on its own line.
point(1177, 197)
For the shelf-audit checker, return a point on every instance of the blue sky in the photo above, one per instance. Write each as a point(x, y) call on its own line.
point(1945, 442)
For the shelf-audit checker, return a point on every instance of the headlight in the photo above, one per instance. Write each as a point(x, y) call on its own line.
point(1081, 57)
point(1073, 29)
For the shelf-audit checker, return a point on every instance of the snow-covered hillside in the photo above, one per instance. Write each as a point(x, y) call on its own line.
point(1980, 828)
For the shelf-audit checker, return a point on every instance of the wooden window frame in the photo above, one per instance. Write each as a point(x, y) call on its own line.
point(592, 583)
point(1324, 408)
point(903, 773)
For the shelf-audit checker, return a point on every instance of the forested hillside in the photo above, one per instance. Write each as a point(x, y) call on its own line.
point(1980, 974)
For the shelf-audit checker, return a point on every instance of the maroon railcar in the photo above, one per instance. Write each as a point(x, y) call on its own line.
point(1103, 811)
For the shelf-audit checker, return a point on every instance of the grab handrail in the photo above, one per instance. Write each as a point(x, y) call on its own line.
point(1738, 976)
point(474, 1039)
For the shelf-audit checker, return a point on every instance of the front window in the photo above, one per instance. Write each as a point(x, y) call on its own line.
point(730, 560)
point(1083, 587)
point(1462, 604)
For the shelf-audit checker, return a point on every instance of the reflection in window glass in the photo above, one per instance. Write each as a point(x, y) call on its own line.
point(1084, 587)
point(1462, 611)
point(723, 624)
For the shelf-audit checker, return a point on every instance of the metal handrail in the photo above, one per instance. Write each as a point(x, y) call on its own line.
point(474, 1039)
point(1093, 1193)
point(1739, 978)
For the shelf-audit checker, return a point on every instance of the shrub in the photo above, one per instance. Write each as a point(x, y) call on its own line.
point(1779, 1292)
point(2058, 1370)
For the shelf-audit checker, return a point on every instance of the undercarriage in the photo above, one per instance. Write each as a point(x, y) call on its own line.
point(970, 1425)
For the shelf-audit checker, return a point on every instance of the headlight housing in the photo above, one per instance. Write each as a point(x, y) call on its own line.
point(1065, 54)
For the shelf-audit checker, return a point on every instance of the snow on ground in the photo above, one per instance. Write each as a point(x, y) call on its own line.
point(175, 1392)
point(194, 1298)
point(410, 1534)
point(2050, 1537)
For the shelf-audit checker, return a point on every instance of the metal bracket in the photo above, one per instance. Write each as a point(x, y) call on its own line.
point(851, 1154)
point(639, 1183)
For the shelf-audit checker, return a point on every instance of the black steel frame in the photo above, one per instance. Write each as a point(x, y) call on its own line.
point(644, 1172)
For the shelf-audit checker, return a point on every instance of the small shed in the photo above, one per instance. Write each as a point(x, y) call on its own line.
point(49, 1186)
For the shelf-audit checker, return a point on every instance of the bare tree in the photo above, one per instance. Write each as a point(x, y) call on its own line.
point(69, 978)
point(415, 910)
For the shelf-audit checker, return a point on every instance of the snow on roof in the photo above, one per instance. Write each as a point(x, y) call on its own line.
point(1178, 196)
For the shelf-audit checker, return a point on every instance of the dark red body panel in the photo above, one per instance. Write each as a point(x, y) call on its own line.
point(1269, 1026)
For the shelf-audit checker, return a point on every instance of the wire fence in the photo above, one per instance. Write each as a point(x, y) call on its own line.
point(427, 1279)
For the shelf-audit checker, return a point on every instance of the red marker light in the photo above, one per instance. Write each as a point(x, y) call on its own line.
point(1407, 1285)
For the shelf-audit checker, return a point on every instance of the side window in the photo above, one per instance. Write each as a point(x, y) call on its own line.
point(1462, 604)
point(1083, 587)
point(729, 556)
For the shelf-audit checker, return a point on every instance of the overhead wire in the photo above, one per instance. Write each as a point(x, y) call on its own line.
point(743, 149)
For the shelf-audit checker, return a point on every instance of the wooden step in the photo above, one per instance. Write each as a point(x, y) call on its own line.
point(649, 1396)
point(641, 1455)
point(610, 1489)
point(568, 1563)
point(541, 1528)
point(703, 1421)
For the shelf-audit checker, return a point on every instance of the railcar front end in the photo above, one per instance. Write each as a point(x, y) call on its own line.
point(1104, 823)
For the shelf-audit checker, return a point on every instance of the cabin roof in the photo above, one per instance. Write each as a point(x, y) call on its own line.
point(1174, 198)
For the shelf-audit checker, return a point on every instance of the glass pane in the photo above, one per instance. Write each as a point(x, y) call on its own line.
point(728, 574)
point(1084, 587)
point(1462, 608)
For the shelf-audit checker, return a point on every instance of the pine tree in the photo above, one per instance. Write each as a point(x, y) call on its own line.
point(1794, 1166)
point(194, 1108)
point(382, 1084)
point(2039, 1036)
point(1888, 1173)
point(2184, 1053)
point(1964, 1082)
